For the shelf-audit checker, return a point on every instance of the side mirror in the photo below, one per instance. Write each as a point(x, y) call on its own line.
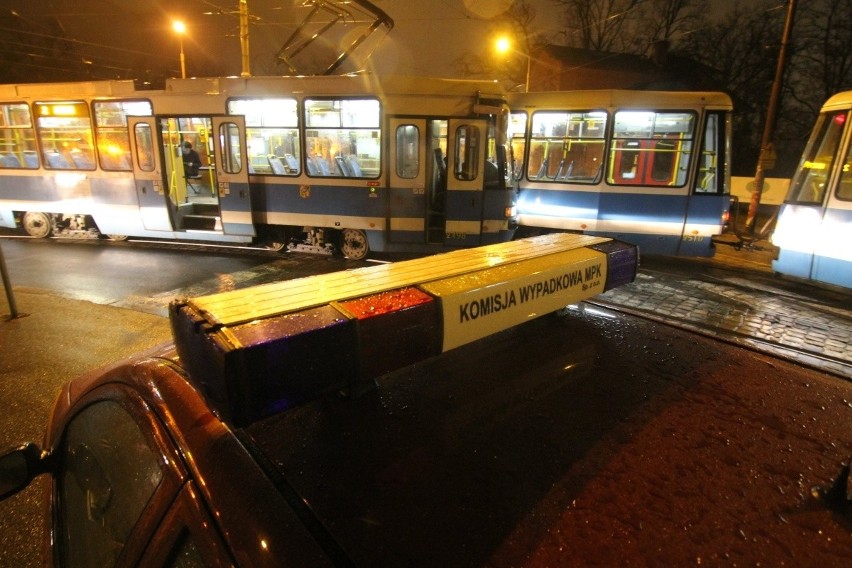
point(18, 467)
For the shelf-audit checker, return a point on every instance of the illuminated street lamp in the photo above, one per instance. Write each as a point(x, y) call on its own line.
point(180, 30)
point(504, 45)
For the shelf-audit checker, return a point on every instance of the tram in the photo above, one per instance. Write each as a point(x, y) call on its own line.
point(647, 167)
point(352, 163)
point(814, 228)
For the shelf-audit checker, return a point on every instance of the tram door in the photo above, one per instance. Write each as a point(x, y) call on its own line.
point(467, 172)
point(148, 173)
point(418, 176)
point(190, 175)
point(709, 197)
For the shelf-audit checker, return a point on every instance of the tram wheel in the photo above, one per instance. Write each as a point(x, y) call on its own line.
point(36, 224)
point(354, 245)
point(117, 237)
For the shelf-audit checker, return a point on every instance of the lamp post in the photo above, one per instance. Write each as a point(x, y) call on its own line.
point(504, 45)
point(180, 30)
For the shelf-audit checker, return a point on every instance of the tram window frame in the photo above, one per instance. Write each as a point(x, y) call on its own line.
point(570, 145)
point(334, 127)
point(636, 156)
point(112, 134)
point(272, 124)
point(18, 147)
point(407, 151)
point(64, 123)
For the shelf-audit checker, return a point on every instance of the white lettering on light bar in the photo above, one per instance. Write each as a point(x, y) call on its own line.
point(509, 295)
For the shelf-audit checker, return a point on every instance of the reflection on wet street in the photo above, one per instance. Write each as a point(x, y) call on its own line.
point(814, 329)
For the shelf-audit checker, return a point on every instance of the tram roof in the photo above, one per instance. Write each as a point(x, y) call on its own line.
point(611, 98)
point(837, 101)
point(69, 89)
point(334, 85)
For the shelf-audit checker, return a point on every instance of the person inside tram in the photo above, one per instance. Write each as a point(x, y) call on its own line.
point(191, 160)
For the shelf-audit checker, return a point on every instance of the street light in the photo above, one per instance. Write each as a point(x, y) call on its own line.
point(504, 45)
point(180, 30)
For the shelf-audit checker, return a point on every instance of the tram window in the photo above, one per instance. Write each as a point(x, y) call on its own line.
point(229, 134)
point(65, 134)
point(809, 183)
point(467, 152)
point(651, 148)
point(17, 137)
point(566, 147)
point(343, 137)
point(144, 147)
point(407, 151)
point(272, 131)
point(111, 131)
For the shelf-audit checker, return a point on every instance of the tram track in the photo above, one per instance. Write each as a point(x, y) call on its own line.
point(832, 365)
point(804, 294)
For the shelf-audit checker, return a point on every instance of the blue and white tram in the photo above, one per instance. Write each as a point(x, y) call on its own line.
point(814, 228)
point(650, 168)
point(355, 162)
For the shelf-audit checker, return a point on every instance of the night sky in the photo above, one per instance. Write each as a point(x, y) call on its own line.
point(116, 37)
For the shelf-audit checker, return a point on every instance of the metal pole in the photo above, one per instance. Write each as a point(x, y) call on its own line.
point(767, 151)
point(244, 39)
point(7, 284)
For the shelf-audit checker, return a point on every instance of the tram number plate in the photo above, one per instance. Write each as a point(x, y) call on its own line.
point(456, 236)
point(693, 238)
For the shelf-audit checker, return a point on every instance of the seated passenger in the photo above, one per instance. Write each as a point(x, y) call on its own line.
point(191, 161)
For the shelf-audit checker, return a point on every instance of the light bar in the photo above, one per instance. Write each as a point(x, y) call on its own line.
point(261, 350)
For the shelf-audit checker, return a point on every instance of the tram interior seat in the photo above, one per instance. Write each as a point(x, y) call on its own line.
point(317, 166)
point(567, 168)
point(354, 167)
point(57, 161)
point(322, 166)
point(10, 161)
point(82, 161)
point(542, 170)
point(342, 166)
point(292, 163)
point(277, 165)
point(31, 158)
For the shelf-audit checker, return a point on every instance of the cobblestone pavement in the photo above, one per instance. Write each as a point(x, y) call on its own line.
point(735, 296)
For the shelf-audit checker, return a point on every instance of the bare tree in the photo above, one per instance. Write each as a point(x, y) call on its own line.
point(822, 63)
point(598, 24)
point(516, 23)
point(664, 20)
point(742, 50)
